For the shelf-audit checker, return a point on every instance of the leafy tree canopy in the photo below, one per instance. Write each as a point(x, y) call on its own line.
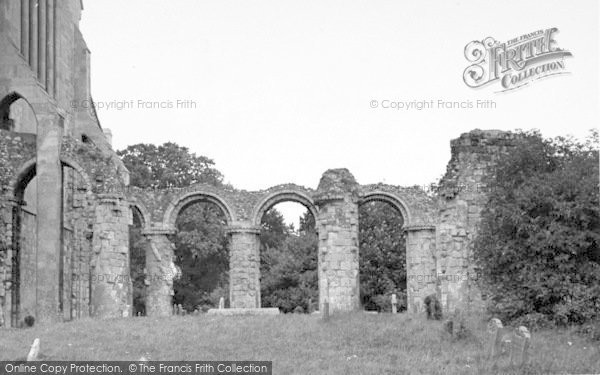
point(167, 166)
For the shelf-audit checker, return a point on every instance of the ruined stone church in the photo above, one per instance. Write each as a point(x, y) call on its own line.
point(66, 207)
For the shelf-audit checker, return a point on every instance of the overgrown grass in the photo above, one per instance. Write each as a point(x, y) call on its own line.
point(300, 344)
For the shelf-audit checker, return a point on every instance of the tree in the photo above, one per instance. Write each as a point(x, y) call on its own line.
point(289, 277)
point(539, 240)
point(201, 243)
point(167, 166)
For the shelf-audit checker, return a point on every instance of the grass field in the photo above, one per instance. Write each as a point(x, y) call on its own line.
point(299, 344)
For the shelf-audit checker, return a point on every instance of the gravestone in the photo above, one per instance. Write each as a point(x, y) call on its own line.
point(221, 303)
point(34, 352)
point(520, 346)
point(494, 328)
point(394, 304)
point(515, 341)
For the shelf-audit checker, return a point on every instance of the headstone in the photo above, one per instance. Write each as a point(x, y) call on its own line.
point(519, 353)
point(494, 331)
point(516, 340)
point(34, 352)
point(394, 304)
point(221, 303)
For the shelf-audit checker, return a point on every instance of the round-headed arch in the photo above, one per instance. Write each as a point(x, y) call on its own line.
point(7, 101)
point(28, 171)
point(142, 213)
point(181, 202)
point(392, 199)
point(279, 196)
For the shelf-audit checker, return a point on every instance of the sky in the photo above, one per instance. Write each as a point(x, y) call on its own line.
point(278, 91)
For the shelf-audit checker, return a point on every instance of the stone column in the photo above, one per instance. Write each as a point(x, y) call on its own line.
point(160, 272)
point(337, 225)
point(244, 266)
point(111, 282)
point(421, 278)
point(49, 214)
point(338, 254)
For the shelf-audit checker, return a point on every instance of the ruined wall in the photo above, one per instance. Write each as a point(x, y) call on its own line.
point(45, 89)
point(335, 206)
point(462, 196)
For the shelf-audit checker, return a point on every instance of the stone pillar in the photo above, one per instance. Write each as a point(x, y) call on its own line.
point(49, 215)
point(337, 226)
point(421, 274)
point(111, 282)
point(160, 272)
point(244, 266)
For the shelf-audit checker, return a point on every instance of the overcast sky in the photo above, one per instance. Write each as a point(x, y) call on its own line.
point(283, 89)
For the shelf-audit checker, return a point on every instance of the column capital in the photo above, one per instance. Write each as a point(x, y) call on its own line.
point(243, 228)
point(415, 228)
point(158, 231)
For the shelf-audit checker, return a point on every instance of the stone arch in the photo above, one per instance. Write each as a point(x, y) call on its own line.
point(27, 171)
point(22, 177)
point(393, 200)
point(5, 104)
point(181, 202)
point(142, 213)
point(287, 195)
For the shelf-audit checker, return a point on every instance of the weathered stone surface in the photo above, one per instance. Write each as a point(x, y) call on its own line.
point(111, 284)
point(244, 267)
point(461, 198)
